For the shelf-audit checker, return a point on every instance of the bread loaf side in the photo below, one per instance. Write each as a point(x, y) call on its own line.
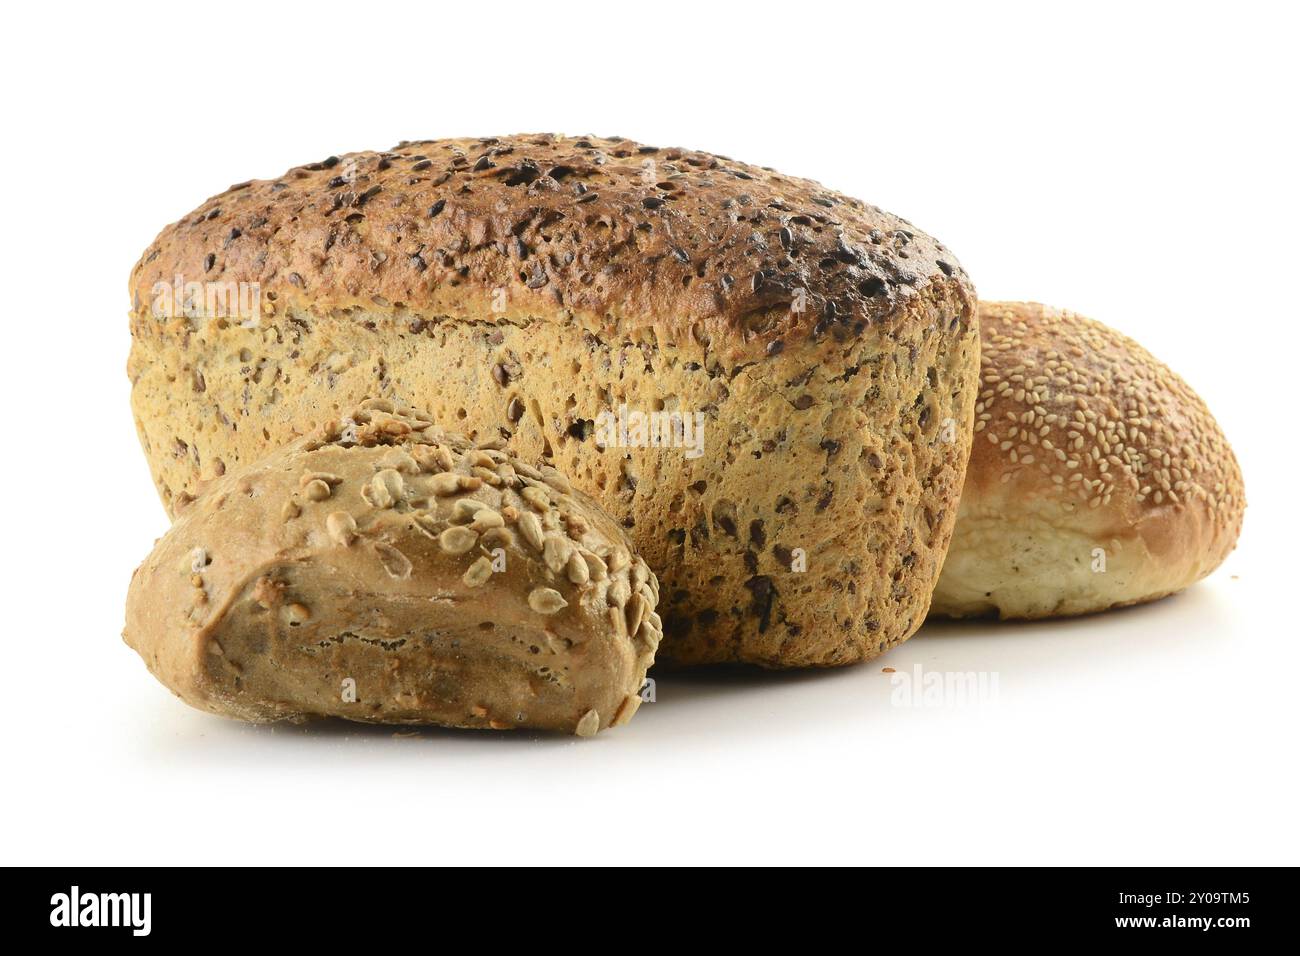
point(807, 361)
point(384, 570)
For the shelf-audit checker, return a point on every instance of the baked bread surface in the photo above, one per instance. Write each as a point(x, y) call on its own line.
point(384, 570)
point(1097, 479)
point(520, 287)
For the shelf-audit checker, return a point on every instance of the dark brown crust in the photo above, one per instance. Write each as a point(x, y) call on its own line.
point(557, 222)
point(829, 349)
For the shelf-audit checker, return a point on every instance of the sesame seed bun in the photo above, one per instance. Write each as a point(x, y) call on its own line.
point(1098, 478)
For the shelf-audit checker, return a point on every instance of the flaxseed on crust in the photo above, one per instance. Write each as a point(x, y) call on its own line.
point(519, 287)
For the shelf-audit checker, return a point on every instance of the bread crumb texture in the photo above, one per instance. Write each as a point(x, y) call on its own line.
point(522, 287)
point(383, 570)
point(1098, 478)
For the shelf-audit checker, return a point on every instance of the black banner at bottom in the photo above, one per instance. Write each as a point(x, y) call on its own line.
point(340, 905)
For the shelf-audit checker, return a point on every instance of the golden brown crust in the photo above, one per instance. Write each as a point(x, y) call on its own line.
point(1097, 477)
point(384, 570)
point(828, 349)
point(621, 234)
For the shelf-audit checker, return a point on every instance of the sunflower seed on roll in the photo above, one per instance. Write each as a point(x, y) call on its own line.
point(396, 598)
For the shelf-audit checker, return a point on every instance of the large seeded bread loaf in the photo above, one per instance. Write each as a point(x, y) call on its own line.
point(1098, 477)
point(384, 570)
point(532, 287)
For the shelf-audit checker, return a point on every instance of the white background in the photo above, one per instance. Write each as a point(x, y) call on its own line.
point(1133, 162)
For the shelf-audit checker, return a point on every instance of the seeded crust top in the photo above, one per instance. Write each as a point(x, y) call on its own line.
point(619, 233)
point(1072, 410)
